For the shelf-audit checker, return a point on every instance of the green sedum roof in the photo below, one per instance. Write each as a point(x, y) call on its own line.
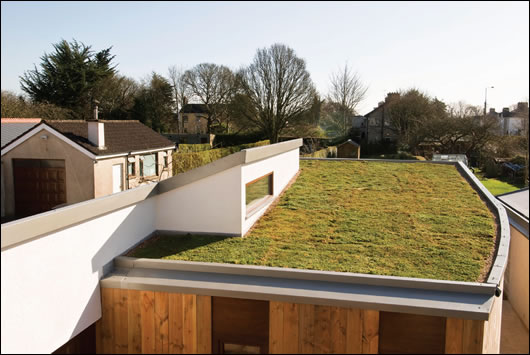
point(398, 219)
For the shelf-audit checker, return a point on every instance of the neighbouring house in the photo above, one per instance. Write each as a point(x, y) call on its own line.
point(53, 163)
point(11, 129)
point(394, 267)
point(349, 149)
point(194, 119)
point(378, 126)
point(512, 123)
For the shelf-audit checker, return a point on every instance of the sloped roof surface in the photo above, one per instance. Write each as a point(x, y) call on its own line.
point(517, 200)
point(13, 128)
point(194, 108)
point(120, 136)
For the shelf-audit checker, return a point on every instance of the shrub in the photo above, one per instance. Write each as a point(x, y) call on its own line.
point(187, 161)
point(491, 169)
point(188, 148)
point(228, 140)
point(329, 152)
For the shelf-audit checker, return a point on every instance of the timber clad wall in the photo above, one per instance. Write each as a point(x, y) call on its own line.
point(305, 328)
point(160, 322)
point(153, 322)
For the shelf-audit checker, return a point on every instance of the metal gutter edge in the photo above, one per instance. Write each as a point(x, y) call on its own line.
point(501, 258)
point(517, 221)
point(333, 293)
point(303, 274)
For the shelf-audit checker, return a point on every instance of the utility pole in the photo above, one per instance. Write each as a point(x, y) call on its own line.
point(486, 99)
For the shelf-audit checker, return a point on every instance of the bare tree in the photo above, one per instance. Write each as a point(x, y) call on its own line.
point(279, 88)
point(180, 92)
point(346, 92)
point(213, 86)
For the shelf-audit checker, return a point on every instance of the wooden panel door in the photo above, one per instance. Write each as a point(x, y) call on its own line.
point(40, 185)
point(240, 326)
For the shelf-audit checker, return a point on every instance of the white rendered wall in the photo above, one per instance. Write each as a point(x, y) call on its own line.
point(50, 286)
point(284, 167)
point(209, 205)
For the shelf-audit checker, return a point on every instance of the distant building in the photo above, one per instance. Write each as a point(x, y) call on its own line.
point(349, 149)
point(378, 127)
point(512, 123)
point(194, 119)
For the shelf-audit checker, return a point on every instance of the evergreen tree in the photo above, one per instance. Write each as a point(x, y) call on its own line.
point(68, 77)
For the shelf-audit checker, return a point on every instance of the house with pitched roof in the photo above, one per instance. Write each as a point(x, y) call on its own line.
point(51, 163)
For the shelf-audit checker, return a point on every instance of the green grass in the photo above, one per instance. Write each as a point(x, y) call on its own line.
point(413, 220)
point(498, 186)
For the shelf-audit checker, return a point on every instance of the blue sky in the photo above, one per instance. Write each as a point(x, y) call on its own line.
point(449, 50)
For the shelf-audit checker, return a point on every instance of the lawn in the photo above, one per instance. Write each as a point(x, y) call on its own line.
point(498, 186)
point(413, 220)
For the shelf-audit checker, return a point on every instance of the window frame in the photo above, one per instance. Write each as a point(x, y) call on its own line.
point(257, 205)
point(141, 167)
point(133, 164)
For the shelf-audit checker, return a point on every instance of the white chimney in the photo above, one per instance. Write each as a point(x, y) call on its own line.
point(96, 130)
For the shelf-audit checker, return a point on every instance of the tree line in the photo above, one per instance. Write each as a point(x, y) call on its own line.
point(274, 95)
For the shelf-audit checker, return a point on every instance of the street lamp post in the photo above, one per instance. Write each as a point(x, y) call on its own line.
point(486, 98)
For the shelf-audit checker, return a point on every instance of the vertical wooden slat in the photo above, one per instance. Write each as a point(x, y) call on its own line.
point(175, 323)
point(339, 319)
point(161, 323)
point(322, 337)
point(454, 333)
point(473, 336)
point(99, 336)
point(291, 316)
point(276, 323)
point(134, 322)
point(120, 321)
point(204, 324)
point(307, 328)
point(189, 334)
point(354, 331)
point(107, 317)
point(370, 331)
point(148, 321)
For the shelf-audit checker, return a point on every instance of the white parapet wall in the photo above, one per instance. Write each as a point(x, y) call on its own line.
point(52, 262)
point(50, 286)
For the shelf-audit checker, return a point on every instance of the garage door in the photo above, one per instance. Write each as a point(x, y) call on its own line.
point(40, 185)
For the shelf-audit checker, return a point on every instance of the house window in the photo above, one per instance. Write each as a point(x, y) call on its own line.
point(164, 161)
point(148, 165)
point(257, 192)
point(131, 168)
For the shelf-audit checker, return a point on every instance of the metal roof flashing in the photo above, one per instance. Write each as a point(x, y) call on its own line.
point(387, 293)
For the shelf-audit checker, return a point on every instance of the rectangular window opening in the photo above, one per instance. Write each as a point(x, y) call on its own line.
point(148, 165)
point(258, 192)
point(131, 169)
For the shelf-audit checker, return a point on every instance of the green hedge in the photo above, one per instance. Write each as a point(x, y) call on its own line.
point(186, 161)
point(329, 152)
point(188, 148)
point(228, 140)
